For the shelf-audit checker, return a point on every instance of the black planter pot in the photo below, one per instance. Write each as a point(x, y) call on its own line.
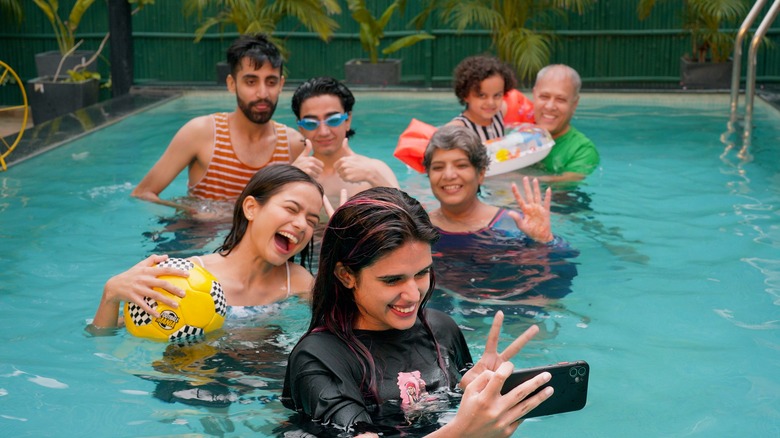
point(383, 73)
point(48, 99)
point(705, 75)
point(46, 63)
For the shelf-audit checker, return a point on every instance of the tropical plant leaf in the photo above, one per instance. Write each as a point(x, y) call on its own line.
point(312, 14)
point(644, 7)
point(719, 10)
point(205, 26)
point(418, 21)
point(364, 18)
point(253, 16)
point(77, 13)
point(578, 6)
point(406, 41)
point(369, 42)
point(514, 26)
point(49, 10)
point(195, 7)
point(62, 33)
point(464, 14)
point(385, 17)
point(14, 9)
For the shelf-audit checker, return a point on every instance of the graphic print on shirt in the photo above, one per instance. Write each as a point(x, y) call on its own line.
point(412, 388)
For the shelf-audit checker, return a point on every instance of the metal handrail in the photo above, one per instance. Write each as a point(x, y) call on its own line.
point(737, 57)
point(750, 81)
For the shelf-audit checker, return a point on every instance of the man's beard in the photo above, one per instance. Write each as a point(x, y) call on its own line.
point(255, 117)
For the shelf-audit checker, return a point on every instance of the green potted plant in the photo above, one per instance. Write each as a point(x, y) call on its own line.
point(65, 33)
point(263, 16)
point(372, 70)
point(708, 65)
point(56, 95)
point(68, 80)
point(514, 26)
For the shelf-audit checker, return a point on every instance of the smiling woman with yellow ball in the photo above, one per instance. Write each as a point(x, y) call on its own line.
point(273, 221)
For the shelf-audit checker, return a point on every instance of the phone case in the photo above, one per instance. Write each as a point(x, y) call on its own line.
point(569, 380)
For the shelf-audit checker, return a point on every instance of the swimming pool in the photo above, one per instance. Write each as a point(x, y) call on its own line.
point(675, 305)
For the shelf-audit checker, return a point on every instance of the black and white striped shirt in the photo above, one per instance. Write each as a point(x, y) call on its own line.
point(494, 130)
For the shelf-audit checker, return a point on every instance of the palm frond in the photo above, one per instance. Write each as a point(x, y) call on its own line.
point(578, 6)
point(261, 16)
point(312, 14)
point(406, 41)
point(419, 20)
point(720, 10)
point(13, 8)
point(387, 14)
point(527, 51)
point(644, 7)
point(78, 11)
point(467, 13)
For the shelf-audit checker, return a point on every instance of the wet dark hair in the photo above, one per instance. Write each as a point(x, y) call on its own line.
point(257, 48)
point(366, 228)
point(323, 86)
point(266, 183)
point(471, 71)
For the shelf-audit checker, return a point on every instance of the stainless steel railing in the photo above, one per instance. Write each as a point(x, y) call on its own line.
point(750, 80)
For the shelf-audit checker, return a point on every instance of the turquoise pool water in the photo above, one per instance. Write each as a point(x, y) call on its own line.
point(676, 304)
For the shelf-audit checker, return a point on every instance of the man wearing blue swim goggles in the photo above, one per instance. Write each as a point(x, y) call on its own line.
point(323, 107)
point(333, 121)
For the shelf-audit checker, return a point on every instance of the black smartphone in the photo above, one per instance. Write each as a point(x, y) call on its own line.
point(569, 380)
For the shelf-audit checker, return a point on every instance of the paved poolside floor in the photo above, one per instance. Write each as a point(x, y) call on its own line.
point(11, 122)
point(47, 135)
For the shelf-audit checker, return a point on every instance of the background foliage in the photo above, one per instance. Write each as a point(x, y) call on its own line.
point(606, 43)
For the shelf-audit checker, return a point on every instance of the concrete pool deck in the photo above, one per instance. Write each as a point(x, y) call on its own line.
point(50, 134)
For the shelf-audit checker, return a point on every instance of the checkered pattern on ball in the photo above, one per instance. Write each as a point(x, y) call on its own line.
point(139, 315)
point(201, 311)
point(220, 303)
point(183, 264)
point(187, 331)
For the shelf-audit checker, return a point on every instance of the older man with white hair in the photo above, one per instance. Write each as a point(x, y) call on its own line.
point(556, 94)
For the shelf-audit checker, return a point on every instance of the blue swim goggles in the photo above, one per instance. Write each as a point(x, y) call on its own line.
point(333, 121)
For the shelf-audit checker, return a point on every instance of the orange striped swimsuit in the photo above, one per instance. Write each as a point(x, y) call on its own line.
point(226, 176)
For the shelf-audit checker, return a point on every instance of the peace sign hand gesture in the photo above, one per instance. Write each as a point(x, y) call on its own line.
point(491, 359)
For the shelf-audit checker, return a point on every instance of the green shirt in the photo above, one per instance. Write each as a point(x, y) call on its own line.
point(573, 152)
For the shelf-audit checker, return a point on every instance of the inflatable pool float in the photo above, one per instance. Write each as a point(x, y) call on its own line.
point(522, 146)
point(519, 112)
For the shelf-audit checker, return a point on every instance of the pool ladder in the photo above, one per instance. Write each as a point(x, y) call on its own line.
point(750, 81)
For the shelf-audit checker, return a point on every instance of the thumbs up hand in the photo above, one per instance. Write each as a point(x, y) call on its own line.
point(354, 168)
point(307, 162)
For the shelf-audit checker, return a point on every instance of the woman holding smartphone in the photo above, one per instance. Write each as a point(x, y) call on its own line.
point(372, 348)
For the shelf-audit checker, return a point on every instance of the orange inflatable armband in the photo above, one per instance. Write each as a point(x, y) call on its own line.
point(412, 143)
point(519, 109)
